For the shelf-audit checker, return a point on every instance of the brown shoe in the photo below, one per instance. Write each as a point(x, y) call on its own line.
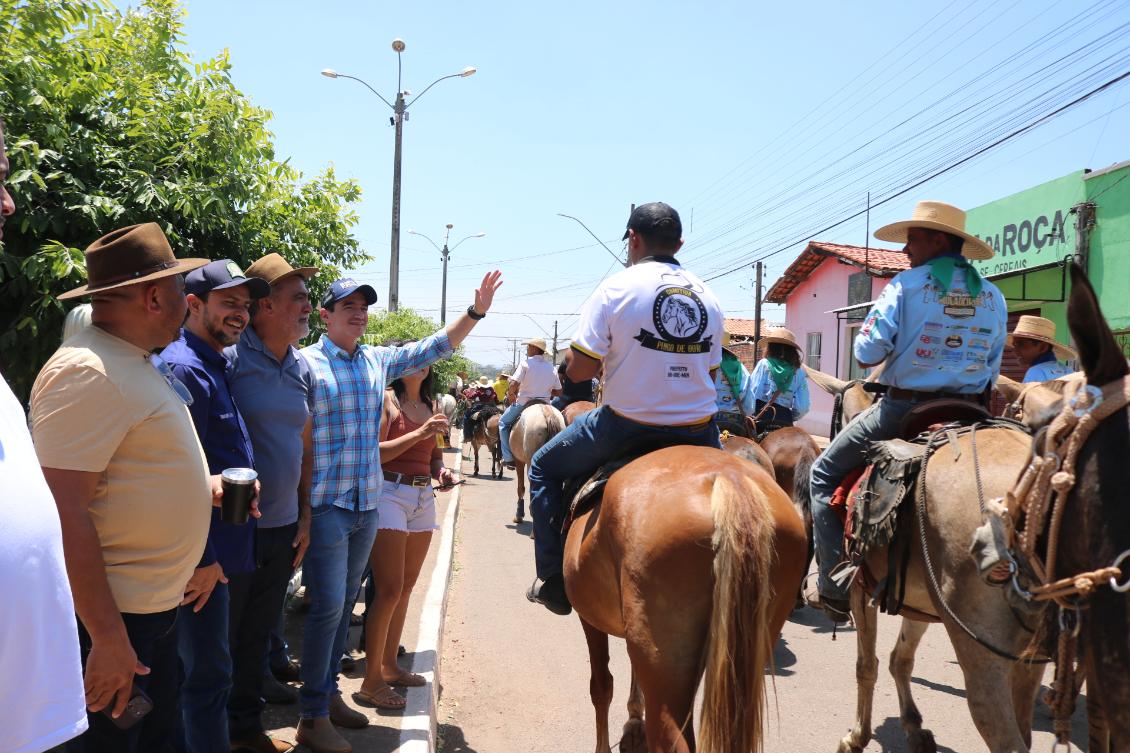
point(320, 736)
point(343, 716)
point(262, 743)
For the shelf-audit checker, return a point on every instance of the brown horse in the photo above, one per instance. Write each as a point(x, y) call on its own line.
point(793, 451)
point(574, 410)
point(744, 447)
point(536, 425)
point(1095, 528)
point(486, 435)
point(976, 616)
point(696, 570)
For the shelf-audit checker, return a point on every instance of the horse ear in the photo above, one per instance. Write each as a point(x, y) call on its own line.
point(1099, 354)
point(826, 382)
point(1009, 388)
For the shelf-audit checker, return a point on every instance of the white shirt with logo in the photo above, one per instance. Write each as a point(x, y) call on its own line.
point(658, 330)
point(537, 379)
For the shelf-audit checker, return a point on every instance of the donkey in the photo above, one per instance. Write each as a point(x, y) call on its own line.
point(987, 635)
point(1095, 529)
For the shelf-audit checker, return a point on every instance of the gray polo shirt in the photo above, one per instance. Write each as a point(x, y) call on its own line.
point(275, 399)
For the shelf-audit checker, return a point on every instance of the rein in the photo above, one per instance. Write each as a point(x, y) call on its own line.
point(1039, 498)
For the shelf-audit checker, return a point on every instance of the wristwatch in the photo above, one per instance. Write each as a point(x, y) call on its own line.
point(474, 314)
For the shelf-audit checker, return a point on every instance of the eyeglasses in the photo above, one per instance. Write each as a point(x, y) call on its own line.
point(175, 384)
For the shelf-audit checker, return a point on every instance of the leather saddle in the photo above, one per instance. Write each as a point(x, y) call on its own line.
point(478, 415)
point(734, 423)
point(584, 493)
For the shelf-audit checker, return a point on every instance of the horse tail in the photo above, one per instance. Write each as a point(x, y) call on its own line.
point(738, 644)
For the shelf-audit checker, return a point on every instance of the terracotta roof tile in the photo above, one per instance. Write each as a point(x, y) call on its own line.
point(747, 327)
point(882, 262)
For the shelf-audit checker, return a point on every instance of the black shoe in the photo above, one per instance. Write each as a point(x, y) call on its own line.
point(837, 609)
point(550, 594)
point(287, 672)
point(277, 693)
point(348, 663)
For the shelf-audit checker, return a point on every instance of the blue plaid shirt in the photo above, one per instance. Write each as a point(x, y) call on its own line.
point(348, 396)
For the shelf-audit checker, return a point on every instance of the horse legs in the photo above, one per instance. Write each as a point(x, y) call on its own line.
point(600, 683)
point(520, 473)
point(866, 671)
point(902, 666)
point(987, 681)
point(475, 449)
point(668, 678)
point(1026, 679)
point(633, 739)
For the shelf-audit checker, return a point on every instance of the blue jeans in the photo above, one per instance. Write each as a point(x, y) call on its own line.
point(846, 453)
point(505, 424)
point(340, 543)
point(202, 642)
point(585, 445)
point(154, 640)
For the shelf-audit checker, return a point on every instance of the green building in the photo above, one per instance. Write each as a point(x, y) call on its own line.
point(1083, 216)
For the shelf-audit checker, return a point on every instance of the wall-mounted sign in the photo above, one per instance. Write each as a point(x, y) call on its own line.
point(1029, 229)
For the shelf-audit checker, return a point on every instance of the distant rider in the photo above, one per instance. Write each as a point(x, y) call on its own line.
point(780, 385)
point(534, 379)
point(1035, 345)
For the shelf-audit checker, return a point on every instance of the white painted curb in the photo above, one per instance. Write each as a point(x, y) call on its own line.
point(418, 728)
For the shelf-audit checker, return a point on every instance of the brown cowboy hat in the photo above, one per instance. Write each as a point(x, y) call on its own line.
point(128, 256)
point(274, 268)
point(937, 215)
point(782, 336)
point(1041, 330)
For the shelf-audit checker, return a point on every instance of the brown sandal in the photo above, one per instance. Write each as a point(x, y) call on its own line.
point(407, 680)
point(385, 698)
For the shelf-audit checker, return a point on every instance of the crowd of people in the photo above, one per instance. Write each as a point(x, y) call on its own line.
point(188, 368)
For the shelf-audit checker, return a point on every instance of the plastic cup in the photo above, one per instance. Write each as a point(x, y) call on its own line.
point(239, 490)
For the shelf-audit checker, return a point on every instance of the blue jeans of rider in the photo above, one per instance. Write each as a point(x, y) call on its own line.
point(585, 445)
point(505, 424)
point(340, 543)
point(206, 659)
point(846, 452)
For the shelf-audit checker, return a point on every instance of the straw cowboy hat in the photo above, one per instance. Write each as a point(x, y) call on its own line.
point(537, 342)
point(1041, 330)
point(782, 336)
point(937, 215)
point(273, 268)
point(130, 256)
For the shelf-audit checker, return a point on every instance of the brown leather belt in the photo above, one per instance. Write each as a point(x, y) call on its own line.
point(898, 393)
point(404, 478)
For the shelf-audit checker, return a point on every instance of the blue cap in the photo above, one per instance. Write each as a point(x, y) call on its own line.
point(223, 274)
point(347, 286)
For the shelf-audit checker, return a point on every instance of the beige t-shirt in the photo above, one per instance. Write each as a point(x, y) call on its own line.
point(98, 405)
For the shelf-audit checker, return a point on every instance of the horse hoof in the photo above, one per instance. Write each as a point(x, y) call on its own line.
point(921, 741)
point(847, 746)
point(518, 519)
point(634, 739)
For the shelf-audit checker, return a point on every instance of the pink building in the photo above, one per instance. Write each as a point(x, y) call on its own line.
point(827, 292)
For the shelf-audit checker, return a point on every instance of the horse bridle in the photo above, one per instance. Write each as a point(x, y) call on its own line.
point(1036, 506)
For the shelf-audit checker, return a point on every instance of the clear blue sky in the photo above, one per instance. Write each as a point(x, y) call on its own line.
point(756, 118)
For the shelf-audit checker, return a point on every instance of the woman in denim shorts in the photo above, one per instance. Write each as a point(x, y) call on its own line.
point(410, 458)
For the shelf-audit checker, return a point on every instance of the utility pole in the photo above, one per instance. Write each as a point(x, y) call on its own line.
point(394, 244)
point(554, 342)
point(443, 296)
point(757, 313)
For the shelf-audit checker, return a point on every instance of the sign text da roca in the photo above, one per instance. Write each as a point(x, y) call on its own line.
point(1027, 243)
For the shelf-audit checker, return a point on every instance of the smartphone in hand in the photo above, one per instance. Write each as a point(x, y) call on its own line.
point(138, 706)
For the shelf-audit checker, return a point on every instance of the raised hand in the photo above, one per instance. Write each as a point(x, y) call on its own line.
point(484, 296)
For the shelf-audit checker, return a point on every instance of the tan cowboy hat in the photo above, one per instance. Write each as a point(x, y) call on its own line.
point(1042, 330)
point(782, 336)
point(274, 268)
point(537, 342)
point(484, 380)
point(937, 215)
point(129, 256)
point(502, 375)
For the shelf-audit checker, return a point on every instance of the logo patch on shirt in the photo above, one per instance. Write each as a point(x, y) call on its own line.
point(680, 319)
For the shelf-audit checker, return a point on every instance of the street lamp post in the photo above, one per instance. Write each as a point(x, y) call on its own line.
point(399, 111)
point(444, 254)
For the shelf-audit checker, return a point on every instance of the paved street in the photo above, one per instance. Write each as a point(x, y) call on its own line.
point(515, 677)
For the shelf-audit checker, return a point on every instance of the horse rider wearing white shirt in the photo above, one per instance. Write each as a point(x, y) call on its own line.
point(657, 330)
point(535, 379)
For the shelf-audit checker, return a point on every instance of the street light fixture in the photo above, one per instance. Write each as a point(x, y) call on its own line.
point(445, 253)
point(399, 109)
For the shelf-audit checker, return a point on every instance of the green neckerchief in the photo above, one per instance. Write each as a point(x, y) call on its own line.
point(941, 269)
point(782, 373)
point(732, 370)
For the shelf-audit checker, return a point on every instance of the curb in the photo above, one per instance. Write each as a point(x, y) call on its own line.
point(418, 730)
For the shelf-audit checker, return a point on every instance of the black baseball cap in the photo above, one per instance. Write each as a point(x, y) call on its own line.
point(223, 274)
point(347, 286)
point(656, 221)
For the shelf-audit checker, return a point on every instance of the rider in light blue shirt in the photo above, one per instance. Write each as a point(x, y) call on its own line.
point(733, 391)
point(939, 330)
point(780, 380)
point(1035, 345)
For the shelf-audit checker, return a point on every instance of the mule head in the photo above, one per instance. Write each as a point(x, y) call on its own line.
point(1099, 353)
point(854, 398)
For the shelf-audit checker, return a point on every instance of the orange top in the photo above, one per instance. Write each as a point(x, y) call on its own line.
point(417, 459)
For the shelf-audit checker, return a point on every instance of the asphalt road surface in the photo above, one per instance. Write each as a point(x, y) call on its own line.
point(515, 677)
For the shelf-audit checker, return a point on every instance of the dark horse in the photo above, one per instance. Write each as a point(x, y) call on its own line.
point(1095, 530)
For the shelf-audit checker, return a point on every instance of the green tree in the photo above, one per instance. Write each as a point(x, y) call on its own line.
point(406, 324)
point(110, 123)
